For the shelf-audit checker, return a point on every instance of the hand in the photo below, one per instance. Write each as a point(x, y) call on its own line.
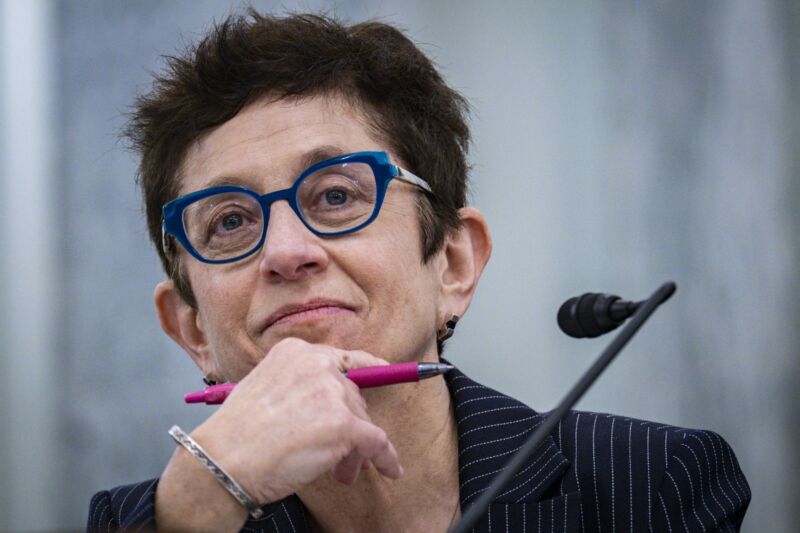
point(295, 417)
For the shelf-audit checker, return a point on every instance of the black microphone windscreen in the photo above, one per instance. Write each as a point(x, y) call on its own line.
point(593, 314)
point(567, 320)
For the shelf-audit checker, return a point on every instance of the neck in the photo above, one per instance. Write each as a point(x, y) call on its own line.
point(419, 421)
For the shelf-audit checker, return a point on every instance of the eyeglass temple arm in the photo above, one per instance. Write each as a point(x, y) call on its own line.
point(413, 179)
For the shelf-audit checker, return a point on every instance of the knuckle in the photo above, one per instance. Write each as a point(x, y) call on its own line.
point(339, 417)
point(351, 389)
point(295, 343)
point(336, 391)
point(329, 363)
point(286, 346)
point(323, 393)
point(381, 440)
point(331, 395)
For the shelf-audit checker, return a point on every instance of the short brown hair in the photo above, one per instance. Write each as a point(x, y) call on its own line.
point(251, 56)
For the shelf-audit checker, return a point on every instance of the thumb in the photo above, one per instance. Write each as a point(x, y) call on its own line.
point(349, 359)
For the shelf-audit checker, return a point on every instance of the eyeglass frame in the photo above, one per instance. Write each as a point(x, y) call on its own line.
point(383, 170)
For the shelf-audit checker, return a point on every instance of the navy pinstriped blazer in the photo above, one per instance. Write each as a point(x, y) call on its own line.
point(596, 472)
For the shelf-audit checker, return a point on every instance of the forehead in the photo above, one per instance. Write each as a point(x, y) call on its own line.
point(269, 142)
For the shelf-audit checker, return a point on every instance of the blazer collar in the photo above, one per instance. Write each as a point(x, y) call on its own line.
point(491, 428)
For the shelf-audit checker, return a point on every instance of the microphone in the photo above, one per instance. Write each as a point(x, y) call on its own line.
point(594, 314)
point(644, 310)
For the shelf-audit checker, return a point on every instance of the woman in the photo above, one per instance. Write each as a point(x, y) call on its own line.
point(312, 182)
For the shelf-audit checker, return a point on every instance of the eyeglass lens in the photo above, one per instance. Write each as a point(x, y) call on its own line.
point(332, 199)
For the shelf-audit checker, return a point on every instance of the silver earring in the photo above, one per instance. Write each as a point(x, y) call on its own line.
point(446, 331)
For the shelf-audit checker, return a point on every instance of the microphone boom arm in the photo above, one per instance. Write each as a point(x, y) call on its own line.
point(478, 508)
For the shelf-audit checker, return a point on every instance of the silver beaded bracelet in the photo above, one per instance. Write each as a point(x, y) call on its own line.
point(227, 481)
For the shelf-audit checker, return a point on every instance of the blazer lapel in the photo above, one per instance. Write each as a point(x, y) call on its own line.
point(491, 428)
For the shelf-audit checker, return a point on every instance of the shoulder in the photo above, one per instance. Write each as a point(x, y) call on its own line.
point(660, 475)
point(123, 507)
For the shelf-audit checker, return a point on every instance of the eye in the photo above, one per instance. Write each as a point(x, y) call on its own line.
point(223, 225)
point(232, 221)
point(330, 193)
point(336, 196)
point(228, 220)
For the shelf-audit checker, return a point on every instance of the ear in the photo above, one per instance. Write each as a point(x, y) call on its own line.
point(181, 321)
point(466, 251)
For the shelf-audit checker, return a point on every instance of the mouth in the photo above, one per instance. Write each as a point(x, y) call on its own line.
point(313, 309)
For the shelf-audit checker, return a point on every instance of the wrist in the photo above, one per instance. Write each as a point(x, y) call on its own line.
point(235, 455)
point(230, 484)
point(189, 498)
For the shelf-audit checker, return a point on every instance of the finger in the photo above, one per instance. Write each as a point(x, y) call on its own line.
point(347, 470)
point(354, 400)
point(357, 358)
point(373, 444)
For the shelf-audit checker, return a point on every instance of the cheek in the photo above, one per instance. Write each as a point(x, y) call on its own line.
point(222, 297)
point(223, 300)
point(390, 264)
point(401, 290)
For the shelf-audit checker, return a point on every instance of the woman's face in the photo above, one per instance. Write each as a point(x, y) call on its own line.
point(367, 290)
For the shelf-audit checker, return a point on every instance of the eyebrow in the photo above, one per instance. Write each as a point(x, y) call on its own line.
point(318, 155)
point(306, 160)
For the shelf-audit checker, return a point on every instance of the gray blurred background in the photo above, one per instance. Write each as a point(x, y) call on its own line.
point(617, 144)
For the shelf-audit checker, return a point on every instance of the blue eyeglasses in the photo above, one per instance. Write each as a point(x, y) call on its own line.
point(335, 197)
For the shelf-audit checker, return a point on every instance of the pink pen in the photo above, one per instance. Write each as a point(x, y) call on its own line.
point(364, 377)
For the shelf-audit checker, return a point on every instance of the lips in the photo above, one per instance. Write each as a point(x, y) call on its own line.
point(320, 305)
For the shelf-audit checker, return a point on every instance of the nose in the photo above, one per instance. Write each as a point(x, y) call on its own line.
point(290, 250)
